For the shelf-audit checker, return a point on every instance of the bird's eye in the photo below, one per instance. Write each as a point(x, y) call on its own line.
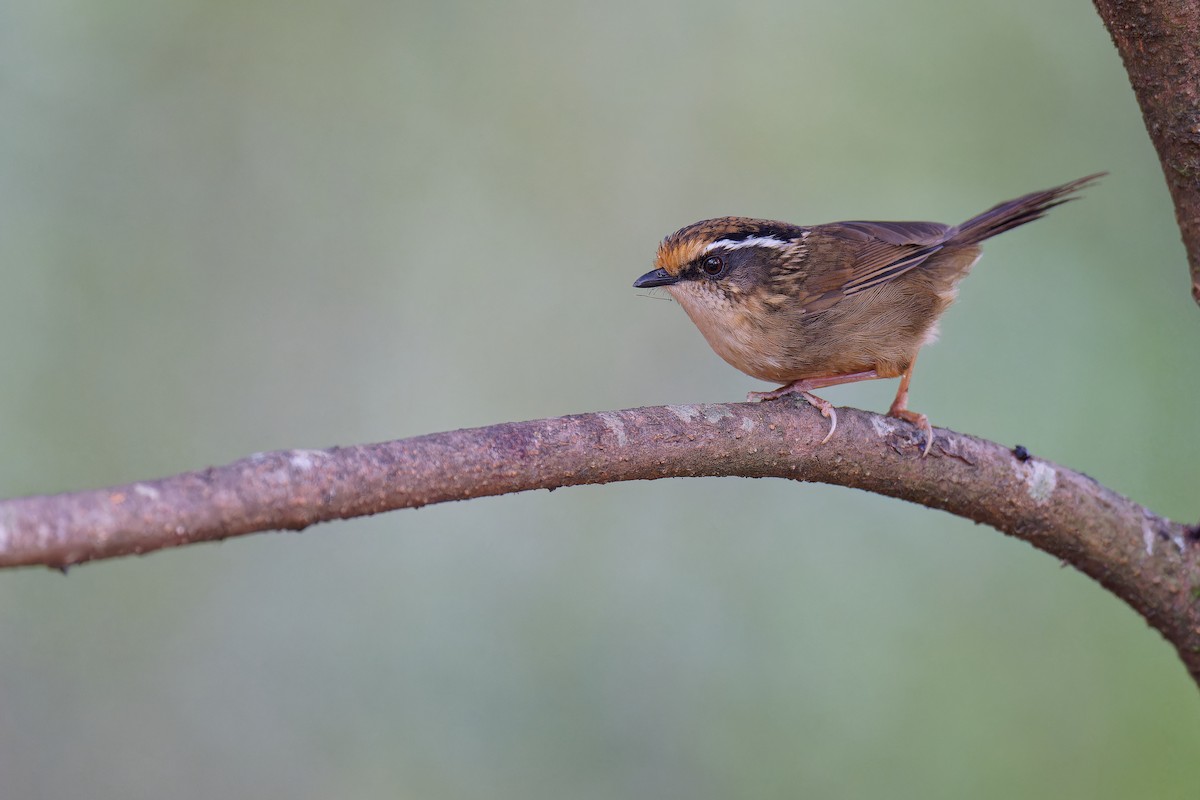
point(713, 265)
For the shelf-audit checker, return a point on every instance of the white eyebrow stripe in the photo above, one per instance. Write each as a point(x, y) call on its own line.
point(753, 241)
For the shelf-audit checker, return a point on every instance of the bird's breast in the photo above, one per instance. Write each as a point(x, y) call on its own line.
point(743, 335)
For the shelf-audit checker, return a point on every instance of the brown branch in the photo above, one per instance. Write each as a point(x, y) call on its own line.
point(1148, 561)
point(1159, 41)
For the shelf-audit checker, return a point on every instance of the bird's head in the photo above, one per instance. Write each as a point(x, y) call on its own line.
point(717, 265)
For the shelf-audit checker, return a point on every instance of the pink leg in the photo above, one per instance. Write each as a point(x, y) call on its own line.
point(803, 386)
point(900, 410)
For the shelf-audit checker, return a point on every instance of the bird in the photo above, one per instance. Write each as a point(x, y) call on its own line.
point(813, 306)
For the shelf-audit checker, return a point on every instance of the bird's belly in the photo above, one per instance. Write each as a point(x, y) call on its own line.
point(812, 347)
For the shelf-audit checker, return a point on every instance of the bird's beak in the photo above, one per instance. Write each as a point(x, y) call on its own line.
point(655, 277)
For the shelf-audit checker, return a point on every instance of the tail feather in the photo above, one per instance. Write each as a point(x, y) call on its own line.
point(1014, 213)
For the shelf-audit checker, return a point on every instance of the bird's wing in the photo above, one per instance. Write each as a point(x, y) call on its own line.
point(867, 254)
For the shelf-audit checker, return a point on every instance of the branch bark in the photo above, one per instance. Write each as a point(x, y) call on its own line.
point(1150, 562)
point(1159, 41)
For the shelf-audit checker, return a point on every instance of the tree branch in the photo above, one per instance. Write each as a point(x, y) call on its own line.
point(1146, 560)
point(1159, 41)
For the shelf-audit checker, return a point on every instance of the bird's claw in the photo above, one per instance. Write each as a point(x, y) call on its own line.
point(922, 423)
point(827, 411)
point(824, 406)
point(774, 394)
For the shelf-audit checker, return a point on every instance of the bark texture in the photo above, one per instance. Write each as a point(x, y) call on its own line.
point(1159, 41)
point(1148, 561)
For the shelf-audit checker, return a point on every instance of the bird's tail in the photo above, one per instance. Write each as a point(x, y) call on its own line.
point(1014, 213)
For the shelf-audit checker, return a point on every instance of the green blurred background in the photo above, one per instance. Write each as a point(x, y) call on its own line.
point(233, 227)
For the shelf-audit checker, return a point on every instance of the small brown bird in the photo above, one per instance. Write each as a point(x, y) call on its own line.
point(822, 305)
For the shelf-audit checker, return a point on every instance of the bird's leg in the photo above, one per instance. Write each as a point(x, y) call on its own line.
point(900, 410)
point(803, 386)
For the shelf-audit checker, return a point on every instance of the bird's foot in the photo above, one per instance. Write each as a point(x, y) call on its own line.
point(920, 420)
point(826, 409)
point(796, 387)
point(774, 394)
